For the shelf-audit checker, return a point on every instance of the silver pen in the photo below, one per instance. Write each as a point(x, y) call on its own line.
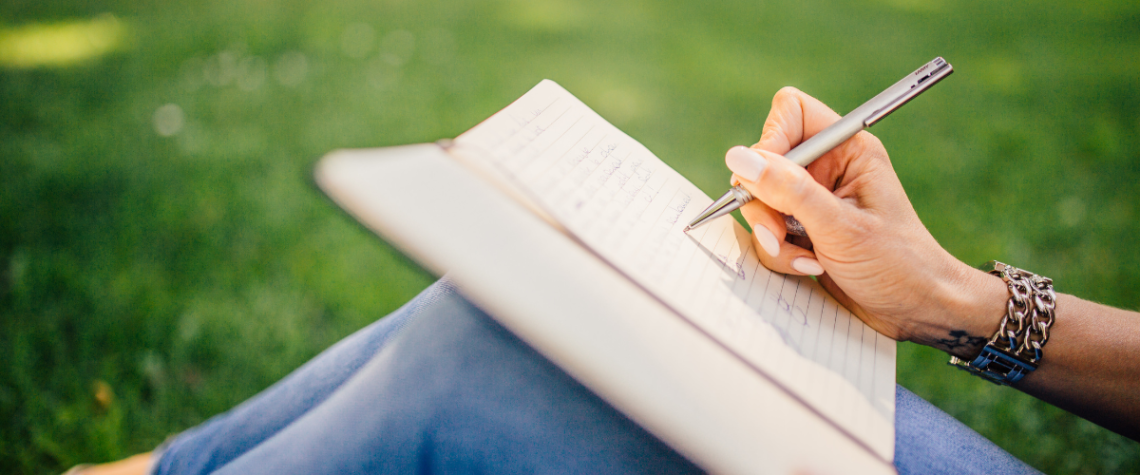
point(862, 117)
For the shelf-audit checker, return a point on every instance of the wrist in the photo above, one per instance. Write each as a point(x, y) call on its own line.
point(971, 303)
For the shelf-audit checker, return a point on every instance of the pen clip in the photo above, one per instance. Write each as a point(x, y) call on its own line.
point(909, 87)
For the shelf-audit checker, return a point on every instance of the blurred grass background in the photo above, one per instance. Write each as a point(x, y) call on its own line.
point(164, 255)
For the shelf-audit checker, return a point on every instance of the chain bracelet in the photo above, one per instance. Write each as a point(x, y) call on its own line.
point(1016, 347)
point(1031, 305)
point(1044, 305)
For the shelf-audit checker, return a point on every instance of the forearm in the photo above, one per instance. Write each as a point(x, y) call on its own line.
point(1091, 363)
point(872, 253)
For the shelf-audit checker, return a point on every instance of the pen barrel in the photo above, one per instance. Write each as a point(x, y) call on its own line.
point(826, 140)
point(846, 127)
point(871, 111)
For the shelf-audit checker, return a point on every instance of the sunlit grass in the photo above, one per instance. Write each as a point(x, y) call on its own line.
point(163, 254)
point(62, 43)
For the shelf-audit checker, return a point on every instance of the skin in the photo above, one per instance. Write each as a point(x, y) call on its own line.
point(880, 261)
point(882, 264)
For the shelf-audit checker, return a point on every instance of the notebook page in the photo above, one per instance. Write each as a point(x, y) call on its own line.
point(629, 207)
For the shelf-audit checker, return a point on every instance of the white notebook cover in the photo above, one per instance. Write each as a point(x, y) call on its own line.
point(575, 308)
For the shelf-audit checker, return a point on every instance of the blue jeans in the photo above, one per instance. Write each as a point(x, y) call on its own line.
point(440, 387)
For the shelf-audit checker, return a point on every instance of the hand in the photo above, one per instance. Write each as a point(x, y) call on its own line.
point(867, 244)
point(874, 255)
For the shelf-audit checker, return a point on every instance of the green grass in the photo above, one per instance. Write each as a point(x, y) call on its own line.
point(188, 272)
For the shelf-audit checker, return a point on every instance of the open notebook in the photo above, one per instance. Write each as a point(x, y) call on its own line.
point(568, 232)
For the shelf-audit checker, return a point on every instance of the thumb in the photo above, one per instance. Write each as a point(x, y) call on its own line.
point(784, 186)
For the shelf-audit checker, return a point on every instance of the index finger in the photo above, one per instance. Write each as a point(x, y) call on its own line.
point(794, 117)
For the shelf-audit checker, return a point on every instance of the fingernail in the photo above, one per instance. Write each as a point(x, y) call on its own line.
point(745, 162)
point(807, 265)
point(766, 239)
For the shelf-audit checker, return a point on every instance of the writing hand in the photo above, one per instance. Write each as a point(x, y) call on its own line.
point(874, 255)
point(867, 244)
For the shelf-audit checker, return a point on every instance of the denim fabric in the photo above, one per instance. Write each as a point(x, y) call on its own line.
point(440, 387)
point(928, 440)
point(223, 438)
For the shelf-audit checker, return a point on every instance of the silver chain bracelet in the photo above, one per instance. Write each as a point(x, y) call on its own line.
point(1016, 348)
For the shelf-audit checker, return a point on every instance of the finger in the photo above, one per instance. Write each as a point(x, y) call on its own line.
point(768, 237)
point(777, 254)
point(794, 117)
point(784, 186)
point(767, 226)
point(791, 259)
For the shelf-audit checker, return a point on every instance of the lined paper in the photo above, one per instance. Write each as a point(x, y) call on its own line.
point(629, 207)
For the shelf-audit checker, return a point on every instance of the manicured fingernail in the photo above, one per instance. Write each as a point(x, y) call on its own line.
point(766, 239)
point(745, 162)
point(807, 265)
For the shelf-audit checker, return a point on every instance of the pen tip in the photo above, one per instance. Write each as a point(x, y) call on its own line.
point(687, 229)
